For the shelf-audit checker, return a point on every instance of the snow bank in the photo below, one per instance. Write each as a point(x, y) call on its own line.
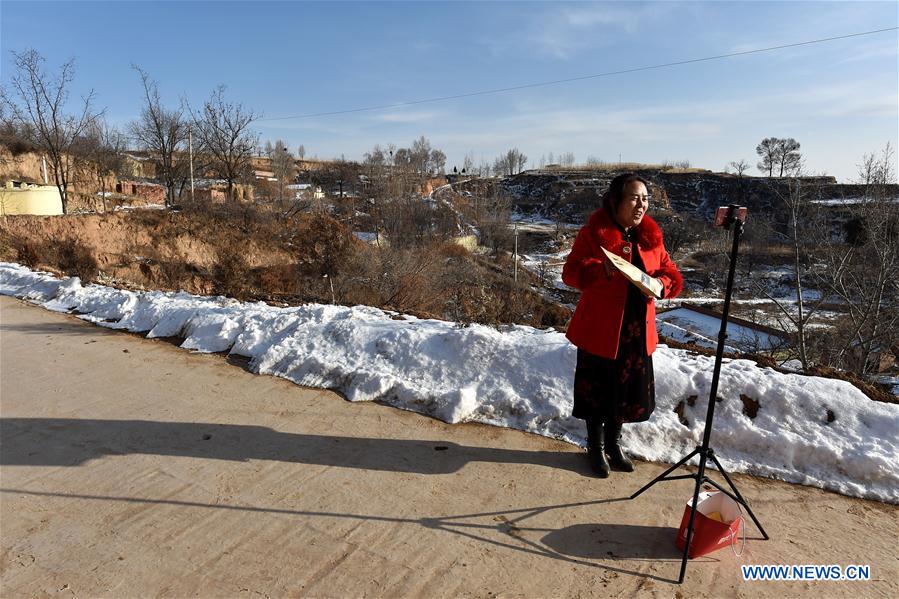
point(809, 430)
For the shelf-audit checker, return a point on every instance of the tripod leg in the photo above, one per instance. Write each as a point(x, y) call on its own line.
point(662, 476)
point(699, 476)
point(737, 493)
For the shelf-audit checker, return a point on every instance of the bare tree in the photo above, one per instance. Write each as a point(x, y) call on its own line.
point(405, 175)
point(778, 153)
point(437, 161)
point(103, 148)
point(509, 163)
point(768, 155)
point(40, 109)
point(788, 155)
point(567, 159)
point(283, 166)
point(682, 232)
point(420, 154)
point(799, 233)
point(375, 163)
point(346, 174)
point(301, 152)
point(468, 163)
point(161, 131)
point(862, 271)
point(12, 137)
point(223, 131)
point(494, 217)
point(500, 167)
point(740, 168)
point(402, 160)
point(876, 172)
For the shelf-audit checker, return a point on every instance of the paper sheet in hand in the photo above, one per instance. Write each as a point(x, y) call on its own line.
point(636, 276)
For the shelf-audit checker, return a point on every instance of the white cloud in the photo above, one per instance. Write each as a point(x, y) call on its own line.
point(871, 52)
point(565, 30)
point(407, 116)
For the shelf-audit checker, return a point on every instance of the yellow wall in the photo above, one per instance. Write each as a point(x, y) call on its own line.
point(36, 199)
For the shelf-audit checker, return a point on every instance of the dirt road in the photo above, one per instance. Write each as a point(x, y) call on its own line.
point(130, 467)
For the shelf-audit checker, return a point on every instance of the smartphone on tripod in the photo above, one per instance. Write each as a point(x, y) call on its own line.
point(725, 215)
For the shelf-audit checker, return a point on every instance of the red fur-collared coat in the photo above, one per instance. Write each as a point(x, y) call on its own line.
point(596, 324)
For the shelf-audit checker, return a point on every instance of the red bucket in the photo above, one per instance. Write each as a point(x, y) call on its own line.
point(717, 523)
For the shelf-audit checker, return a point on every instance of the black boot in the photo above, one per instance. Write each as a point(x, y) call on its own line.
point(595, 448)
point(617, 459)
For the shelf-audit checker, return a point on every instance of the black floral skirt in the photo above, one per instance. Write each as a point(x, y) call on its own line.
point(622, 389)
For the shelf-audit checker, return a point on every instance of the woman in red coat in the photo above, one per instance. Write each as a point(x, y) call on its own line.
point(614, 325)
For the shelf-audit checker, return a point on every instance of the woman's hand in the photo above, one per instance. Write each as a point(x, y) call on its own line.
point(595, 270)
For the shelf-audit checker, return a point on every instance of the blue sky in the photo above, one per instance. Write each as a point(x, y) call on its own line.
point(839, 99)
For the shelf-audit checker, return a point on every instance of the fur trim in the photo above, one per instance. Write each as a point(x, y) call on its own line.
point(649, 235)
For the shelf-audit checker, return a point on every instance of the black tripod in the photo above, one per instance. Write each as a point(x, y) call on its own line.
point(732, 215)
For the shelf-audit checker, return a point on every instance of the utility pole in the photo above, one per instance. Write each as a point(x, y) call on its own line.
point(331, 283)
point(515, 265)
point(190, 148)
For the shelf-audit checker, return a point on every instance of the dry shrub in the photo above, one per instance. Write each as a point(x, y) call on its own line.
point(473, 291)
point(70, 256)
point(552, 315)
point(465, 296)
point(249, 219)
point(176, 274)
point(29, 252)
point(434, 278)
point(322, 245)
point(229, 273)
point(15, 142)
point(280, 279)
point(451, 249)
point(76, 259)
point(8, 251)
point(216, 224)
point(397, 279)
point(512, 303)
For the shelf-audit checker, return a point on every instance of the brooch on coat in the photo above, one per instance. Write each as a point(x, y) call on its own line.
point(626, 249)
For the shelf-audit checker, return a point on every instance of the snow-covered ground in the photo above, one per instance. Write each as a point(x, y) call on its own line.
point(686, 335)
point(890, 380)
point(548, 263)
point(437, 194)
point(547, 266)
point(706, 328)
point(847, 201)
point(125, 208)
point(808, 430)
point(366, 236)
point(535, 223)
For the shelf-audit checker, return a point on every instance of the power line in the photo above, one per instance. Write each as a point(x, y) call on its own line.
point(572, 79)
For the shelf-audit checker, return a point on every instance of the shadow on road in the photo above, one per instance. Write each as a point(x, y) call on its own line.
point(506, 528)
point(54, 329)
point(71, 442)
